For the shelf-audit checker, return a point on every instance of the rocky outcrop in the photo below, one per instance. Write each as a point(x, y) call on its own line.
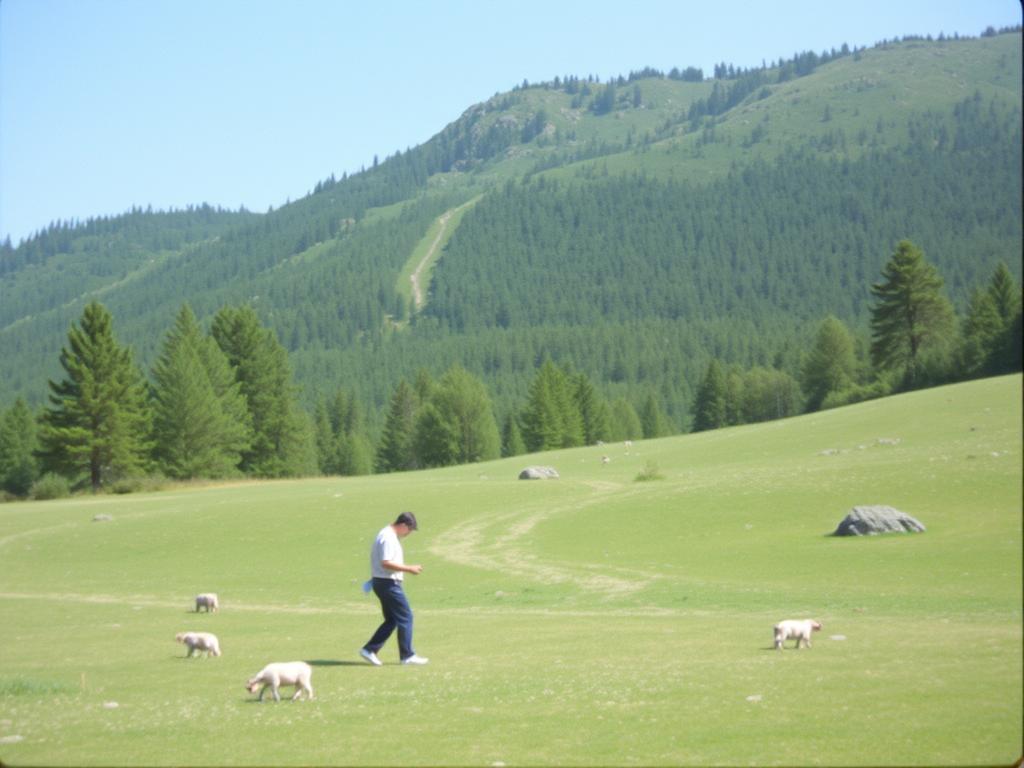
point(872, 520)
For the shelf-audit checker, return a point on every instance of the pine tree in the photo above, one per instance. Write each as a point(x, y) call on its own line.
point(512, 437)
point(830, 365)
point(434, 439)
point(18, 443)
point(325, 447)
point(396, 451)
point(201, 424)
point(552, 417)
point(982, 333)
point(910, 313)
point(709, 402)
point(1005, 354)
point(652, 421)
point(98, 421)
point(593, 410)
point(282, 442)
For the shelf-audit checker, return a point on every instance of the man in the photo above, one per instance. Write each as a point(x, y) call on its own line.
point(387, 566)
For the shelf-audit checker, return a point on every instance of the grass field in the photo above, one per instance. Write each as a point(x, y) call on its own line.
point(593, 619)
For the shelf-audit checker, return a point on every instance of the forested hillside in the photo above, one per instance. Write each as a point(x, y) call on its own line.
point(632, 229)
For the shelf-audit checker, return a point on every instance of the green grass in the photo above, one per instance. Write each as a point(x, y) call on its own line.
point(587, 620)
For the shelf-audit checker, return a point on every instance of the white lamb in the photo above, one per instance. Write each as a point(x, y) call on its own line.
point(207, 600)
point(199, 643)
point(297, 673)
point(800, 629)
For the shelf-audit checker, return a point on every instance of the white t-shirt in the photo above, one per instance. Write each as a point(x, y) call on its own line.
point(386, 547)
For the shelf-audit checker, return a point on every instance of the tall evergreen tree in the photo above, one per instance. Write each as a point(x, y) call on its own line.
point(201, 424)
point(1005, 355)
point(830, 365)
point(434, 441)
point(282, 442)
point(396, 452)
point(593, 410)
point(552, 417)
point(98, 420)
point(1005, 294)
point(982, 333)
point(709, 401)
point(652, 420)
point(910, 312)
point(512, 437)
point(18, 443)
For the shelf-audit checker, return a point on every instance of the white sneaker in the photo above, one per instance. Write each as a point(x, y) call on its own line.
point(414, 659)
point(370, 656)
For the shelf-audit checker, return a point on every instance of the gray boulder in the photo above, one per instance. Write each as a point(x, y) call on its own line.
point(872, 520)
point(538, 473)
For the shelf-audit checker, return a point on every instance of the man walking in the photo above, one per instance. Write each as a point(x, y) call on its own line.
point(387, 566)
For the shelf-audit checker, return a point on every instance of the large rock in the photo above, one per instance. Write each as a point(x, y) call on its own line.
point(537, 473)
point(868, 521)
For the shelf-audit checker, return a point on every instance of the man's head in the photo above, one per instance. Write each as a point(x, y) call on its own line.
point(405, 524)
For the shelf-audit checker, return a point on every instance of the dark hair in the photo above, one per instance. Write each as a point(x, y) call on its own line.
point(409, 519)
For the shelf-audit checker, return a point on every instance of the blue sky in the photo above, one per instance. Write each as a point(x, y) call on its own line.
point(109, 104)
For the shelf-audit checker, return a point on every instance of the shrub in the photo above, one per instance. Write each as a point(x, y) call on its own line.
point(50, 486)
point(139, 484)
point(650, 471)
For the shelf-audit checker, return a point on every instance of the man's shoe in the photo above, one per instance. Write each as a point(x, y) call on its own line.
point(370, 656)
point(414, 659)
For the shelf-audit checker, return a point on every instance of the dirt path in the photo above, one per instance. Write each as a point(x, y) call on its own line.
point(417, 289)
point(418, 292)
point(499, 542)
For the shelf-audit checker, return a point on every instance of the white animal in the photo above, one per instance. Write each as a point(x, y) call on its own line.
point(207, 600)
point(297, 673)
point(800, 629)
point(199, 642)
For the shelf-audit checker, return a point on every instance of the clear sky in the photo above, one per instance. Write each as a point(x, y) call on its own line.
point(109, 104)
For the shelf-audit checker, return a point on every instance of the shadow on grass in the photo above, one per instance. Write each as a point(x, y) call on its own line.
point(335, 663)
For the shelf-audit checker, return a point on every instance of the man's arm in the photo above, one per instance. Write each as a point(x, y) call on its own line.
point(393, 566)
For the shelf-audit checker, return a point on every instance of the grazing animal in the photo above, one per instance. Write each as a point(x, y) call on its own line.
point(207, 600)
point(199, 642)
point(297, 673)
point(795, 628)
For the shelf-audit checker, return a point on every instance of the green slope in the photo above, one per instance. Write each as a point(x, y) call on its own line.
point(587, 620)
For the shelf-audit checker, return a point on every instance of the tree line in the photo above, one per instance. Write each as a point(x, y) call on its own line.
point(223, 404)
point(916, 341)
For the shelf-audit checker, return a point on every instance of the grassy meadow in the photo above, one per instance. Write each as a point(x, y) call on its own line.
point(593, 619)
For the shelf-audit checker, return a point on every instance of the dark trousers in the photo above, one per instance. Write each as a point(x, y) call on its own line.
point(397, 615)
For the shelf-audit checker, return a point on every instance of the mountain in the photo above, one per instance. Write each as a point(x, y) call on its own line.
point(634, 229)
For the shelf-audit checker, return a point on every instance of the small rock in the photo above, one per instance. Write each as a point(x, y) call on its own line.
point(755, 698)
point(110, 705)
point(538, 473)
